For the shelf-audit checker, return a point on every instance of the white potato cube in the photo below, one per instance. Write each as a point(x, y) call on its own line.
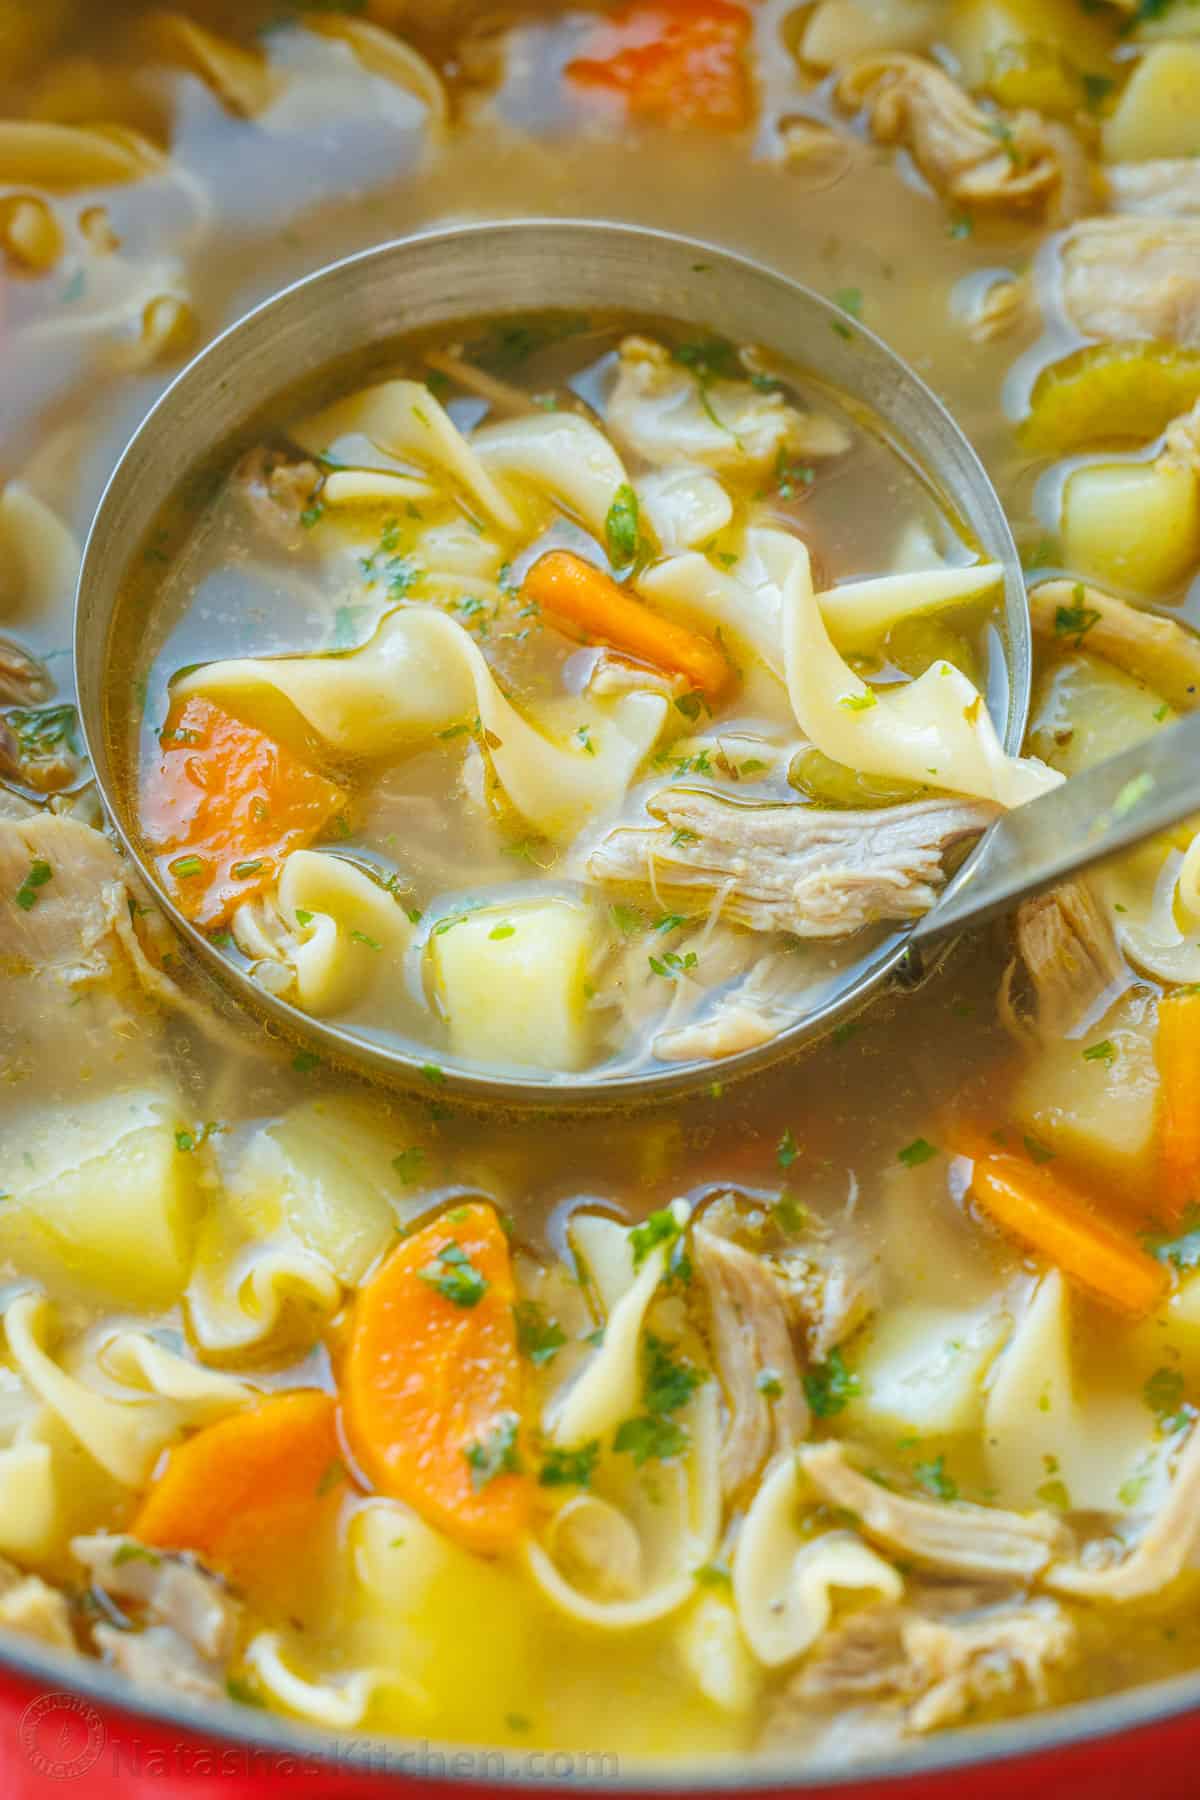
point(1133, 525)
point(512, 984)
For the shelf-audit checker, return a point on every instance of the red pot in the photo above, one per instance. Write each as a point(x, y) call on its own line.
point(82, 1733)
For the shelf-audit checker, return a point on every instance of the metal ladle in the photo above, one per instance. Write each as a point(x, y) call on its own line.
point(350, 318)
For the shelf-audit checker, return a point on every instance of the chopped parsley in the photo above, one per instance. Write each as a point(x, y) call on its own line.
point(712, 1574)
point(933, 1478)
point(409, 1164)
point(39, 873)
point(360, 937)
point(918, 1152)
point(1037, 1151)
point(670, 965)
point(830, 1385)
point(621, 527)
point(455, 1276)
point(692, 705)
point(539, 1337)
point(1075, 620)
point(333, 1476)
point(787, 1150)
point(668, 1382)
point(132, 1551)
point(1104, 1051)
point(859, 702)
point(569, 1468)
point(681, 838)
point(663, 1227)
point(1183, 1251)
point(502, 931)
point(767, 1382)
point(305, 1061)
point(495, 1454)
point(584, 737)
point(1163, 1394)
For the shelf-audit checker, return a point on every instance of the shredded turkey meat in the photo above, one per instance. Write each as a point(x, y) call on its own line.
point(1066, 956)
point(829, 1290)
point(276, 489)
point(1158, 651)
point(159, 1658)
point(755, 1359)
point(790, 867)
point(942, 1652)
point(971, 156)
point(948, 1537)
point(1133, 277)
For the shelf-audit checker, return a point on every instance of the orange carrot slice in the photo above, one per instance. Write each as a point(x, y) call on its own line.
point(1178, 1050)
point(431, 1381)
point(1055, 1221)
point(583, 600)
point(222, 807)
point(252, 1487)
point(673, 61)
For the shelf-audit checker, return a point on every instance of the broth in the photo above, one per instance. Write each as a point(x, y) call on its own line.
point(973, 1210)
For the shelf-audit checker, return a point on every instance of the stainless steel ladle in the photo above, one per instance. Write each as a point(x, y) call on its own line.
point(357, 313)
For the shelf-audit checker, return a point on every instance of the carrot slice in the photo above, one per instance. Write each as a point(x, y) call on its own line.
point(431, 1381)
point(1054, 1220)
point(583, 600)
point(674, 61)
point(1178, 1050)
point(223, 806)
point(250, 1488)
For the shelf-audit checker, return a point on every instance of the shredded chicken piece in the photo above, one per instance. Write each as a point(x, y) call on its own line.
point(504, 399)
point(829, 1290)
point(33, 1608)
point(1161, 652)
point(1167, 188)
point(1165, 1549)
point(790, 867)
point(970, 156)
point(1133, 277)
point(159, 1658)
point(1004, 307)
point(276, 488)
point(732, 1027)
point(950, 1537)
point(173, 1588)
point(613, 675)
point(1067, 950)
point(944, 1652)
point(755, 1360)
point(23, 681)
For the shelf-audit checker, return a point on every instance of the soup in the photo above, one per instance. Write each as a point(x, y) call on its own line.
point(811, 1415)
point(554, 778)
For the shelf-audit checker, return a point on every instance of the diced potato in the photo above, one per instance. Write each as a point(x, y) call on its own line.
point(336, 1171)
point(1110, 392)
point(1098, 1110)
point(978, 31)
point(1159, 112)
point(838, 31)
point(102, 1197)
point(456, 1625)
point(1133, 525)
point(1086, 710)
point(512, 984)
point(922, 1370)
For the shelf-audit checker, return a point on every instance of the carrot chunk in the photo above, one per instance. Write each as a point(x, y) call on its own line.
point(1055, 1221)
point(1178, 1049)
point(581, 599)
point(673, 62)
point(222, 807)
point(431, 1380)
point(250, 1488)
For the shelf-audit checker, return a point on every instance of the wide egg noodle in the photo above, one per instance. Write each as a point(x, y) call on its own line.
point(560, 454)
point(784, 1582)
point(39, 555)
point(405, 421)
point(935, 730)
point(350, 933)
point(422, 674)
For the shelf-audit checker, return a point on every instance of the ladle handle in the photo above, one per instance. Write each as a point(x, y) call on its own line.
point(1117, 804)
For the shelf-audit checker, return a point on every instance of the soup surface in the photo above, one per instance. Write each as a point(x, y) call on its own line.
point(813, 1415)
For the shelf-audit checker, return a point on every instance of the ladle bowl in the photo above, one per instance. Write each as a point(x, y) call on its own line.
point(357, 312)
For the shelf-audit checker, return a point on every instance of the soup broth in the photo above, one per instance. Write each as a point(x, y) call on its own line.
point(806, 1417)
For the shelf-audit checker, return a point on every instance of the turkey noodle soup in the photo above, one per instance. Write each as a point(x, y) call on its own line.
point(814, 1417)
point(590, 719)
